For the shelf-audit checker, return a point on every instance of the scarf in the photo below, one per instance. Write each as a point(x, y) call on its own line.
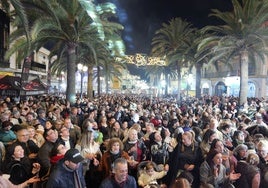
point(132, 142)
point(77, 181)
point(113, 157)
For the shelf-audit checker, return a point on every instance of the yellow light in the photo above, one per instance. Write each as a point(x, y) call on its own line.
point(143, 60)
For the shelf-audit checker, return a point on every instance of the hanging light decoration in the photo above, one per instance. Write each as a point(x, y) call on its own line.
point(142, 60)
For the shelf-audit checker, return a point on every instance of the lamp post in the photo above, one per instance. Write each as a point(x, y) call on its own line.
point(82, 70)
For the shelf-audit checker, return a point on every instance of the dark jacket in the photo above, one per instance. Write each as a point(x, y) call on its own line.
point(247, 172)
point(263, 166)
point(19, 171)
point(72, 145)
point(63, 177)
point(43, 157)
point(178, 158)
point(258, 129)
point(111, 183)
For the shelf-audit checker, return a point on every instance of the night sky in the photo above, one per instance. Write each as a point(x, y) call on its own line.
point(141, 18)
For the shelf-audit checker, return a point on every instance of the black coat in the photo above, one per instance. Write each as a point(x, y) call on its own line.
point(179, 158)
point(258, 129)
point(247, 172)
point(19, 171)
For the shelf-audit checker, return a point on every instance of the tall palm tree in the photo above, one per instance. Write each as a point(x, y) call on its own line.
point(241, 35)
point(111, 44)
point(193, 57)
point(170, 42)
point(116, 47)
point(66, 26)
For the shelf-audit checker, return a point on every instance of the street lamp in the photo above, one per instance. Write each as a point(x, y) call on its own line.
point(82, 70)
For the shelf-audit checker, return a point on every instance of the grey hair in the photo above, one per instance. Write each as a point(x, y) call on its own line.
point(240, 147)
point(120, 160)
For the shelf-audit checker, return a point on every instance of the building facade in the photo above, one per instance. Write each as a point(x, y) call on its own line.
point(224, 80)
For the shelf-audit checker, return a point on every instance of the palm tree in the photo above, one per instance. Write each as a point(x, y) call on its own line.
point(193, 57)
point(66, 26)
point(106, 65)
point(241, 35)
point(170, 42)
point(17, 15)
point(111, 44)
point(116, 47)
point(167, 71)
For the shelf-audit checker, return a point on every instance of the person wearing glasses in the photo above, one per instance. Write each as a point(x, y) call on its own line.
point(30, 148)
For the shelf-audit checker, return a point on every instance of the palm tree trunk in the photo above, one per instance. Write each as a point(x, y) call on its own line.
point(89, 83)
point(179, 82)
point(243, 93)
point(107, 78)
point(167, 82)
point(107, 84)
point(71, 66)
point(198, 80)
point(98, 80)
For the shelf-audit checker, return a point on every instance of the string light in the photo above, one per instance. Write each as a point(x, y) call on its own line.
point(142, 60)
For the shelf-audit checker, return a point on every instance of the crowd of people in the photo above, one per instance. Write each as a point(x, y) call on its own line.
point(133, 141)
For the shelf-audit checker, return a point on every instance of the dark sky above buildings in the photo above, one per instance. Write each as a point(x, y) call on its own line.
point(141, 18)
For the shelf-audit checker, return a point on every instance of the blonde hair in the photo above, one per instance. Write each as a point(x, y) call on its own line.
point(191, 136)
point(253, 159)
point(128, 133)
point(86, 139)
point(132, 130)
point(150, 125)
point(149, 165)
point(263, 144)
point(136, 126)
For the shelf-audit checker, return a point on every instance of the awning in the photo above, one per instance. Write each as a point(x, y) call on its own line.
point(10, 86)
point(34, 85)
point(10, 82)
